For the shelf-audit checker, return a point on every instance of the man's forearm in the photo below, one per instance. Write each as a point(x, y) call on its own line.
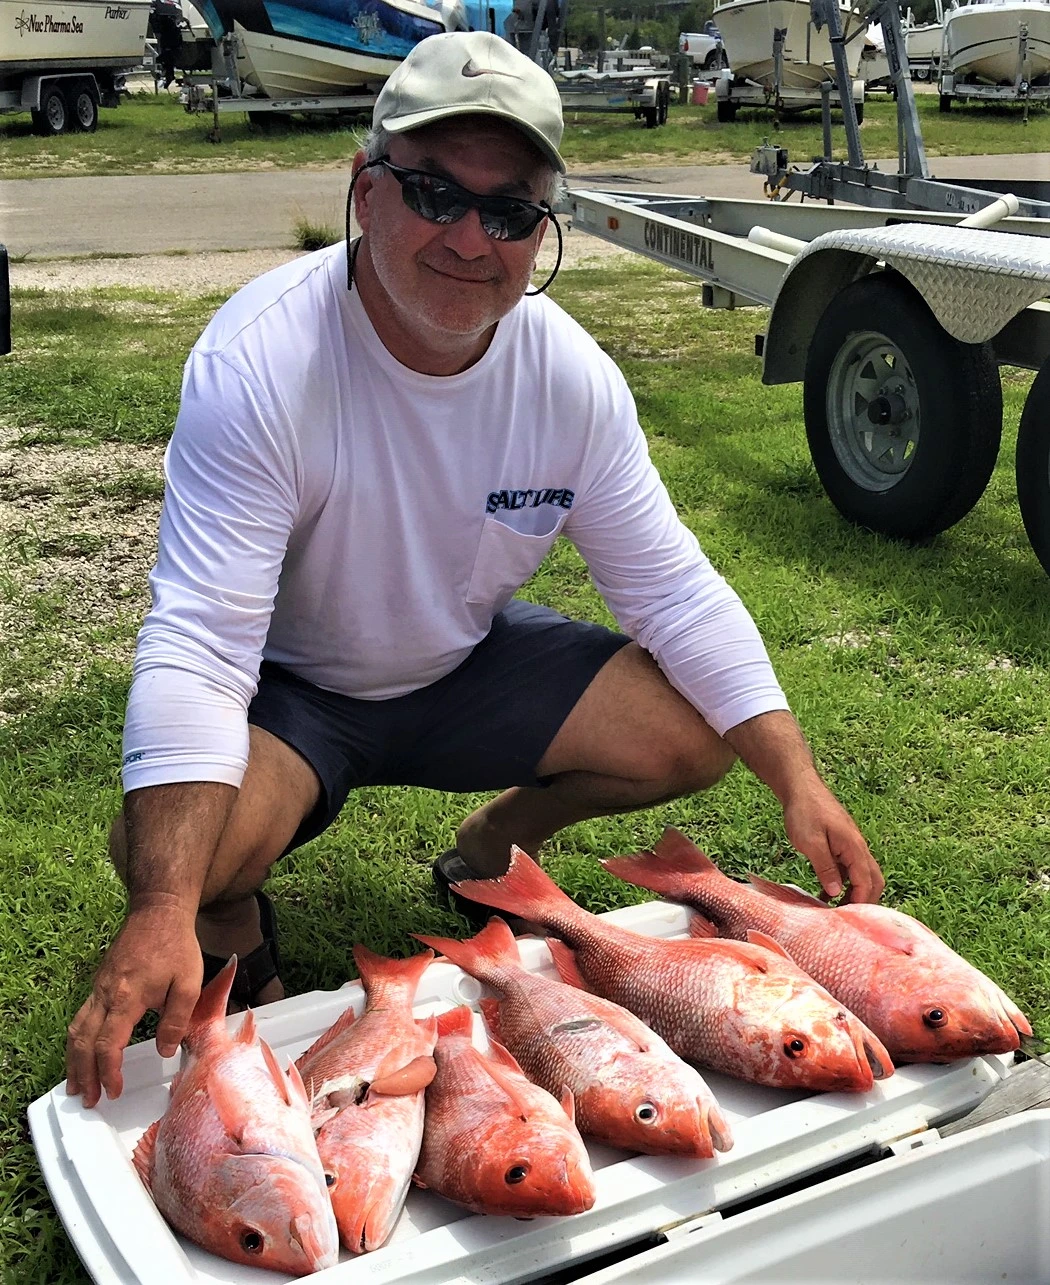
point(773, 747)
point(173, 832)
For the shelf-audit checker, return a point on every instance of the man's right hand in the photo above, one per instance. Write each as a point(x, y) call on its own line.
point(153, 963)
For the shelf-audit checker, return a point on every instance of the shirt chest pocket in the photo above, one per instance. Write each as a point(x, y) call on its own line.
point(506, 558)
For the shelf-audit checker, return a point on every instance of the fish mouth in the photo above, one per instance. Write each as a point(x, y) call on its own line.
point(716, 1127)
point(317, 1248)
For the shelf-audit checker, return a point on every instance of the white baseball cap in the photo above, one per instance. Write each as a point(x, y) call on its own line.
point(472, 72)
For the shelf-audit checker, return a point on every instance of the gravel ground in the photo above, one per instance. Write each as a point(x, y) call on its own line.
point(200, 273)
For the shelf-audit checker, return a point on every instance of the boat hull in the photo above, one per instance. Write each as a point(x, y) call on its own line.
point(747, 28)
point(49, 34)
point(981, 41)
point(319, 47)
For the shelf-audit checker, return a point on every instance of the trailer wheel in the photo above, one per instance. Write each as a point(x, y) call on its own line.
point(652, 117)
point(922, 73)
point(903, 421)
point(1033, 466)
point(945, 102)
point(725, 111)
point(85, 110)
point(52, 117)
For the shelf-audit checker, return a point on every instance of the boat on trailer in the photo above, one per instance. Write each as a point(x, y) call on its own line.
point(998, 42)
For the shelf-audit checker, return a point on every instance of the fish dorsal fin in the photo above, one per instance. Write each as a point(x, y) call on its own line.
point(504, 1069)
point(456, 1021)
point(246, 1030)
point(701, 926)
point(883, 932)
point(142, 1157)
point(565, 963)
point(211, 1004)
point(279, 1078)
point(790, 896)
point(662, 869)
point(380, 973)
point(428, 1028)
point(568, 1103)
point(401, 1081)
point(764, 940)
point(341, 1024)
point(490, 1012)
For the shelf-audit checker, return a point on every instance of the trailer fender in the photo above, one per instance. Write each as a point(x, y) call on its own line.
point(973, 280)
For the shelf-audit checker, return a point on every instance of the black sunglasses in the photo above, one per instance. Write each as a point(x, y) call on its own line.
point(439, 200)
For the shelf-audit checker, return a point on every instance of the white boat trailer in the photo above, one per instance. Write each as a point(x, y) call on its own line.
point(1021, 91)
point(895, 330)
point(645, 93)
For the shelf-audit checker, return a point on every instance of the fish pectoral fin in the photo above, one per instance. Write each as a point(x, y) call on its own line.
point(404, 1080)
point(142, 1157)
point(321, 1117)
point(565, 963)
point(886, 932)
point(764, 940)
point(568, 1103)
point(701, 926)
point(504, 1069)
point(230, 1106)
point(789, 895)
point(295, 1082)
point(428, 1028)
point(284, 1087)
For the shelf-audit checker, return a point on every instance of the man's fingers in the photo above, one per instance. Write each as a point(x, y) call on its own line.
point(175, 1021)
point(81, 1071)
point(109, 1047)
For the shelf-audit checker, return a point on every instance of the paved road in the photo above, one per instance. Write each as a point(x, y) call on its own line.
point(145, 214)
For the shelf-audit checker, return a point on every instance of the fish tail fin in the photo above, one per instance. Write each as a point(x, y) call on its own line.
point(211, 1005)
point(457, 1021)
point(670, 868)
point(524, 890)
point(493, 946)
point(390, 978)
point(142, 1157)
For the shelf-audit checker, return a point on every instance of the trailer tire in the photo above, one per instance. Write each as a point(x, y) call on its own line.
point(53, 115)
point(879, 357)
point(725, 111)
point(84, 117)
point(1033, 465)
point(922, 73)
point(652, 117)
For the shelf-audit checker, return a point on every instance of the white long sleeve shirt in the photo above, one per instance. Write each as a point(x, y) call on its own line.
point(360, 523)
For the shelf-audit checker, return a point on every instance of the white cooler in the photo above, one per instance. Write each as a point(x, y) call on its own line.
point(975, 1208)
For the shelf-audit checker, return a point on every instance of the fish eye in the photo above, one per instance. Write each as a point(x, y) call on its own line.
point(516, 1174)
point(645, 1113)
point(935, 1017)
point(252, 1241)
point(330, 1179)
point(794, 1048)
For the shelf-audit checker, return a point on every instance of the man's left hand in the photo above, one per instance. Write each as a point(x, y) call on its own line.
point(823, 831)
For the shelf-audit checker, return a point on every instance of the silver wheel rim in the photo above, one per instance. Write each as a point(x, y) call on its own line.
point(56, 113)
point(85, 108)
point(873, 411)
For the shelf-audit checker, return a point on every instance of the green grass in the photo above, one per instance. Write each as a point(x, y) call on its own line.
point(922, 676)
point(152, 134)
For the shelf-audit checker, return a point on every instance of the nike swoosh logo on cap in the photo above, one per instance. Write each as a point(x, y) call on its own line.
point(470, 70)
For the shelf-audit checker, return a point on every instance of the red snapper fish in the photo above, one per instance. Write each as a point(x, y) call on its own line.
point(630, 1089)
point(739, 1007)
point(366, 1080)
point(495, 1142)
point(232, 1163)
point(923, 1001)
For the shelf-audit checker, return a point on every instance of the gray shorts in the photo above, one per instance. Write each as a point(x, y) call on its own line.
point(485, 726)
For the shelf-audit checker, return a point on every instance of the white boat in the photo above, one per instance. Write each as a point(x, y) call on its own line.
point(51, 35)
point(922, 43)
point(747, 28)
point(874, 64)
point(983, 42)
